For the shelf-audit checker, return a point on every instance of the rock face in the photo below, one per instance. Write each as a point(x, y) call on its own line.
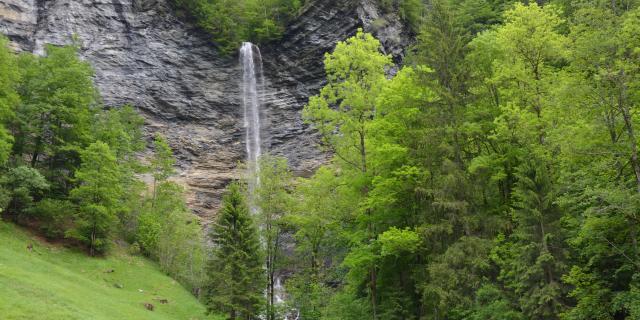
point(144, 56)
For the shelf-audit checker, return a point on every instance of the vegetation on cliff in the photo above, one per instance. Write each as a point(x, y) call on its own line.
point(231, 22)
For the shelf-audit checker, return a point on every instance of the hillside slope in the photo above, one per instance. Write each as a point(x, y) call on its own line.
point(51, 282)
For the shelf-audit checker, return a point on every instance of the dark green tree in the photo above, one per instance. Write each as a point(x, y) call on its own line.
point(23, 185)
point(235, 283)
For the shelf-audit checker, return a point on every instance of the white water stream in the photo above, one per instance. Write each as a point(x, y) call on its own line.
point(252, 91)
point(252, 85)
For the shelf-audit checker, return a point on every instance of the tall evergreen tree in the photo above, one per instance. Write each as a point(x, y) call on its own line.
point(236, 276)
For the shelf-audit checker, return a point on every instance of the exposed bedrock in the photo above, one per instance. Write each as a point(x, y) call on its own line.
point(144, 56)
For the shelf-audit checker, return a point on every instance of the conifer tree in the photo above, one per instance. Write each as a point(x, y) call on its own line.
point(236, 278)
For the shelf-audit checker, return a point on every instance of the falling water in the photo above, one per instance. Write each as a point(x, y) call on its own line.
point(252, 89)
point(252, 78)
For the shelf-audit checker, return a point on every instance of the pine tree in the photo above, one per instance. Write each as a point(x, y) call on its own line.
point(236, 278)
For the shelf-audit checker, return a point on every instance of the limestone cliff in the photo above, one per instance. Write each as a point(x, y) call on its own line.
point(145, 56)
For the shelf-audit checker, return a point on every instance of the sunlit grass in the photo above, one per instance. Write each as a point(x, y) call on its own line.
point(53, 282)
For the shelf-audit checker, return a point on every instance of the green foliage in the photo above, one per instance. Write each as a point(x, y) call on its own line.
point(492, 305)
point(166, 229)
point(54, 216)
point(53, 120)
point(396, 242)
point(163, 161)
point(180, 244)
point(235, 274)
point(23, 184)
point(232, 22)
point(410, 11)
point(9, 98)
point(97, 197)
point(494, 177)
point(272, 204)
point(74, 167)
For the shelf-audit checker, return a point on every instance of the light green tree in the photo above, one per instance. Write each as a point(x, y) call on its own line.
point(347, 103)
point(162, 162)
point(97, 194)
point(273, 203)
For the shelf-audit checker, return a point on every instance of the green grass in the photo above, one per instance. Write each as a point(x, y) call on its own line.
point(52, 282)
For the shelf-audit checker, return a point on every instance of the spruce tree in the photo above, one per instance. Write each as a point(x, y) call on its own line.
point(236, 278)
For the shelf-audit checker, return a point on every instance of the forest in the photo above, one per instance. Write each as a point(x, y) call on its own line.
point(493, 175)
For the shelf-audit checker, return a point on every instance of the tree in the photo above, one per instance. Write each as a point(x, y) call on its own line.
point(180, 245)
point(599, 170)
point(53, 120)
point(235, 274)
point(162, 162)
point(97, 197)
point(231, 22)
point(317, 213)
point(23, 184)
point(9, 98)
point(531, 260)
point(272, 202)
point(121, 129)
point(355, 77)
point(165, 227)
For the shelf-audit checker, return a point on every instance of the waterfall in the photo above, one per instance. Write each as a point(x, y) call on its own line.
point(252, 84)
point(252, 90)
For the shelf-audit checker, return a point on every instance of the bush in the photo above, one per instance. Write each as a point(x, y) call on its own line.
point(170, 233)
point(54, 216)
point(23, 185)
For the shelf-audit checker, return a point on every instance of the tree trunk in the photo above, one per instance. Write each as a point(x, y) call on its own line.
point(374, 294)
point(92, 241)
point(635, 162)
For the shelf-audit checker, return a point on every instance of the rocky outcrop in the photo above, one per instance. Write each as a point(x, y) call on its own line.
point(144, 56)
point(18, 21)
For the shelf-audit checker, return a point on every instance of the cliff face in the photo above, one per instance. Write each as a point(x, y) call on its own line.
point(144, 56)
